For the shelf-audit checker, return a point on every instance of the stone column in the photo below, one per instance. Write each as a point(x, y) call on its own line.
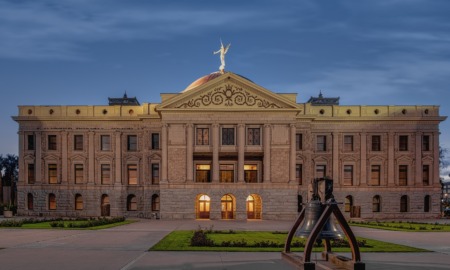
point(364, 169)
point(292, 154)
point(215, 153)
point(38, 159)
point(91, 158)
point(118, 158)
point(335, 148)
point(418, 161)
point(266, 142)
point(241, 152)
point(391, 160)
point(164, 146)
point(434, 179)
point(190, 153)
point(64, 166)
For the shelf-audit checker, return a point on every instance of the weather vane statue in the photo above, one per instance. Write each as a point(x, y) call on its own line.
point(223, 50)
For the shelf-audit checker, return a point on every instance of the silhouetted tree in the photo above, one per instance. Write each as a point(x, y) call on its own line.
point(9, 170)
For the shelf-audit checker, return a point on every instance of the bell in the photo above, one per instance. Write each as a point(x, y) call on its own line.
point(313, 211)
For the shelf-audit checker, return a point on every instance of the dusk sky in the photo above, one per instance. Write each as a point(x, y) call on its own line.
point(80, 52)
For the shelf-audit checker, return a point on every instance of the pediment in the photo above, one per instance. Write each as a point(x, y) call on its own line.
point(376, 159)
point(231, 92)
point(78, 157)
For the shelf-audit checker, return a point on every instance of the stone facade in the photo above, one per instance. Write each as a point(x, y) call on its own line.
point(227, 148)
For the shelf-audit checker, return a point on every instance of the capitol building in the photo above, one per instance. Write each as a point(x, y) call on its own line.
point(227, 148)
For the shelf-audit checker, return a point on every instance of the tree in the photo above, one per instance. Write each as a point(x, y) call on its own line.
point(443, 162)
point(9, 170)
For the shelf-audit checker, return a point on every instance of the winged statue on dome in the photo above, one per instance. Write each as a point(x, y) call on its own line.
point(223, 50)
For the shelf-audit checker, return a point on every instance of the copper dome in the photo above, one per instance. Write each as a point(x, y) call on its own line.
point(207, 78)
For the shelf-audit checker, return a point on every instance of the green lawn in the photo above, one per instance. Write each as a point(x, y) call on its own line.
point(403, 226)
point(180, 241)
point(46, 225)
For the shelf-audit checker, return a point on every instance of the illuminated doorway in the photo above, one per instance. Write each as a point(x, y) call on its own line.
point(203, 206)
point(227, 203)
point(254, 207)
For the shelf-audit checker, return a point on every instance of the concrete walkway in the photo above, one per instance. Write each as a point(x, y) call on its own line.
point(125, 247)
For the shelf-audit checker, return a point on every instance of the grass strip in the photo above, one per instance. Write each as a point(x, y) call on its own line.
point(180, 241)
point(46, 225)
point(403, 226)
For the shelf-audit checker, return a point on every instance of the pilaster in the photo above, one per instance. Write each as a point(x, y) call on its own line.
point(292, 154)
point(91, 160)
point(267, 136)
point(241, 152)
point(64, 165)
point(363, 158)
point(215, 154)
point(190, 153)
point(118, 158)
point(391, 161)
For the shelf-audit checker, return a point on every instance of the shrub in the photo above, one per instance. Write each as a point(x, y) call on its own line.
point(200, 239)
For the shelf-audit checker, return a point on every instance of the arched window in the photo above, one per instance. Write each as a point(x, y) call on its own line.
point(404, 203)
point(254, 206)
point(203, 206)
point(376, 203)
point(155, 202)
point(427, 203)
point(105, 206)
point(348, 203)
point(131, 203)
point(51, 201)
point(227, 204)
point(78, 202)
point(30, 203)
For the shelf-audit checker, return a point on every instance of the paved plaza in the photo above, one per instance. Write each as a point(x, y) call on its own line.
point(125, 247)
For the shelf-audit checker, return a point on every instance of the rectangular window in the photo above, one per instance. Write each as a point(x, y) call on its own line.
point(78, 142)
point(203, 173)
point(251, 173)
point(155, 173)
point(348, 143)
point(155, 141)
point(299, 173)
point(106, 174)
point(132, 174)
point(403, 175)
point(132, 143)
point(226, 173)
point(403, 143)
point(298, 141)
point(51, 142)
point(376, 143)
point(321, 171)
point(375, 175)
point(105, 143)
point(202, 136)
point(253, 136)
point(348, 175)
point(321, 143)
point(425, 143)
point(79, 173)
point(227, 136)
point(426, 175)
point(31, 175)
point(30, 142)
point(52, 174)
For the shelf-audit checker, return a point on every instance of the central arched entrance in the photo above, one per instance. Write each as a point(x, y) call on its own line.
point(227, 206)
point(203, 206)
point(254, 206)
point(105, 206)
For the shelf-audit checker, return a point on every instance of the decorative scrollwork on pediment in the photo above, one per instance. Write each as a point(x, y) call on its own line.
point(229, 95)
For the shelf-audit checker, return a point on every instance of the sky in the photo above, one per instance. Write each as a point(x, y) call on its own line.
point(80, 52)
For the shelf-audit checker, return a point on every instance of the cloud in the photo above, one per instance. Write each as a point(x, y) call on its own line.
point(62, 29)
